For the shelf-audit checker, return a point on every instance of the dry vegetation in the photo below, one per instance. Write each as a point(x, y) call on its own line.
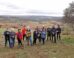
point(62, 49)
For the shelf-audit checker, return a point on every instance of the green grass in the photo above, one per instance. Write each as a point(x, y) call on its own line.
point(1, 30)
point(68, 40)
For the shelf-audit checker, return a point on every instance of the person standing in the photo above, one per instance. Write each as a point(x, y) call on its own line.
point(48, 33)
point(53, 34)
point(39, 35)
point(58, 29)
point(7, 36)
point(43, 35)
point(19, 38)
point(12, 38)
point(35, 36)
point(24, 32)
point(28, 36)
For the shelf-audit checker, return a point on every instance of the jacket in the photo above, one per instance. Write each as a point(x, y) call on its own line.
point(24, 31)
point(7, 33)
point(12, 34)
point(43, 34)
point(19, 35)
point(35, 34)
point(58, 30)
point(28, 34)
point(53, 31)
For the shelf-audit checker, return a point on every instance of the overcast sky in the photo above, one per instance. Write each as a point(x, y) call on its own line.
point(33, 7)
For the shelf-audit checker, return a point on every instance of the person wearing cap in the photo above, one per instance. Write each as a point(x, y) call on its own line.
point(12, 38)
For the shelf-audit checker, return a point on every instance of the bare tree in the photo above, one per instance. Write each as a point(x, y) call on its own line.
point(69, 15)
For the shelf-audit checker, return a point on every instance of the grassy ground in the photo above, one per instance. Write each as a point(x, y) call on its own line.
point(62, 49)
point(49, 50)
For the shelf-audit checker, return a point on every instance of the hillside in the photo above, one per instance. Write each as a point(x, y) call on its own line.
point(28, 18)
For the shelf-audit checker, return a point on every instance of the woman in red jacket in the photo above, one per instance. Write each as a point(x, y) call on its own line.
point(19, 37)
point(24, 32)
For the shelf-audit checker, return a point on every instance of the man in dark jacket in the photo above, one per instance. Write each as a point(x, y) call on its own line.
point(58, 29)
point(7, 36)
point(38, 34)
point(48, 33)
point(53, 34)
point(35, 36)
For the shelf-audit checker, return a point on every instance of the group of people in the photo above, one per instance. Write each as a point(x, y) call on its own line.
point(53, 34)
point(25, 34)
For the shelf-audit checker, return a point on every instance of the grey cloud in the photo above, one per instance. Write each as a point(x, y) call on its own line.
point(9, 5)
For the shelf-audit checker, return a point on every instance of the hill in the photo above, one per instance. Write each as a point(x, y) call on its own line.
point(28, 18)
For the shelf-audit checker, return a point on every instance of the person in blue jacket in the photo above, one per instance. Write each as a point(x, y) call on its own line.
point(43, 35)
point(12, 38)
